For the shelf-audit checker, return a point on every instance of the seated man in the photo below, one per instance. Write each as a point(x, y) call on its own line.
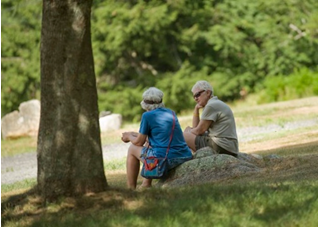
point(216, 128)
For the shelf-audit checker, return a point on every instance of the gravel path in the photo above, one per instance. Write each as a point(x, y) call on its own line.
point(24, 166)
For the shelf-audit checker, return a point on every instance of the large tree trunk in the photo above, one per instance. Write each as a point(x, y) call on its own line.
point(69, 146)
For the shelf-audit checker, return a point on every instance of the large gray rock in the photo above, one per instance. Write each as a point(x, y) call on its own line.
point(24, 122)
point(110, 122)
point(207, 166)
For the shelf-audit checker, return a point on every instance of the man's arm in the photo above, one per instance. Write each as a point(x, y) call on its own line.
point(196, 115)
point(201, 128)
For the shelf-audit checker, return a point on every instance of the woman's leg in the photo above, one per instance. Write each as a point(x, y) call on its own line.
point(146, 183)
point(133, 165)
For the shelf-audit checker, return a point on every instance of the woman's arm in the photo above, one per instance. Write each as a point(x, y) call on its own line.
point(134, 137)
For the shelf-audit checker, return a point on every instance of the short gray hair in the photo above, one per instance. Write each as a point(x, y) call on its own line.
point(203, 85)
point(152, 99)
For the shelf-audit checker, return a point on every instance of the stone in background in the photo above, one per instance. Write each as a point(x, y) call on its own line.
point(24, 122)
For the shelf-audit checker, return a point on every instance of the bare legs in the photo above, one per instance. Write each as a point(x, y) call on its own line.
point(133, 166)
point(146, 183)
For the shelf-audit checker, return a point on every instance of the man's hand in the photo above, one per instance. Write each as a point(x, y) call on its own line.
point(198, 106)
point(188, 129)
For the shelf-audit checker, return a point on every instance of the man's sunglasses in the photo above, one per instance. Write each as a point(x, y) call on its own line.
point(198, 94)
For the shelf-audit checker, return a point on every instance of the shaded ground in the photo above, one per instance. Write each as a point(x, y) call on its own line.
point(295, 168)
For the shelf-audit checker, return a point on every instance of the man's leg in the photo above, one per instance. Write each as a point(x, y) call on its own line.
point(190, 140)
point(221, 150)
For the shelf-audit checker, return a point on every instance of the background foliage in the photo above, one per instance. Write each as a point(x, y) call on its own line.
point(264, 46)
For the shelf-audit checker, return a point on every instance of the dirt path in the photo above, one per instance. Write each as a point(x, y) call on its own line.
point(24, 166)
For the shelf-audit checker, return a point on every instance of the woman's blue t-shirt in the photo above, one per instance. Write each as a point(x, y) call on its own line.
point(157, 125)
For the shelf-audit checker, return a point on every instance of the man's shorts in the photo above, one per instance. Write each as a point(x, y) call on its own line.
point(204, 141)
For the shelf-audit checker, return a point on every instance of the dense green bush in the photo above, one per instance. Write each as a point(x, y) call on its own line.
point(124, 100)
point(302, 83)
point(168, 44)
point(20, 52)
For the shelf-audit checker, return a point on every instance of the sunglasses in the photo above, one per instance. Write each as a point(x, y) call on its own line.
point(198, 94)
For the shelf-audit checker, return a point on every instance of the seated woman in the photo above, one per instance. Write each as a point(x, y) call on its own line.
point(156, 125)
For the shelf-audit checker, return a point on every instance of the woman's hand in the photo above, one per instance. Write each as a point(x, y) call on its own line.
point(125, 137)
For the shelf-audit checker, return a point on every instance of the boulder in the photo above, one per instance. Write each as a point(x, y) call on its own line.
point(207, 166)
point(104, 113)
point(110, 122)
point(24, 122)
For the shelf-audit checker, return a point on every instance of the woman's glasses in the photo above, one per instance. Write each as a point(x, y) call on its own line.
point(198, 94)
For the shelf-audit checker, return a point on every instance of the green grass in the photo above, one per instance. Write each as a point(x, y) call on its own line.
point(275, 113)
point(271, 204)
point(20, 185)
point(115, 165)
point(18, 146)
point(285, 195)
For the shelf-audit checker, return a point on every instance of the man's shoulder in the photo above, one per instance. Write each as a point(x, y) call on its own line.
point(217, 103)
point(215, 100)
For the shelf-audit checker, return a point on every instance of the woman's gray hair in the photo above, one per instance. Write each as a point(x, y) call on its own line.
point(203, 85)
point(152, 99)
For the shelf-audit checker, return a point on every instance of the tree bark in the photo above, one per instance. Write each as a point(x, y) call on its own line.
point(69, 149)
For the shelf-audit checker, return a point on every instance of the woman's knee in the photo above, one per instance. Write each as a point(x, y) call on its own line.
point(134, 151)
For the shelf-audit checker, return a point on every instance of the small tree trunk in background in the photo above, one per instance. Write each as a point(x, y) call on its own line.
point(69, 149)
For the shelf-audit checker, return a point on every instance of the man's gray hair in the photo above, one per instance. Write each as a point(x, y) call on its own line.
point(152, 99)
point(203, 85)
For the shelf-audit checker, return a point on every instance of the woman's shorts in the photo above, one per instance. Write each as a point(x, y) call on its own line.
point(172, 162)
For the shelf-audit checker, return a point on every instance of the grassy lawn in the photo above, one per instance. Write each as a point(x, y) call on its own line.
point(282, 195)
point(286, 196)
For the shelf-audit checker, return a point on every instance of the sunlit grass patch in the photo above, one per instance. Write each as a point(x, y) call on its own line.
point(12, 147)
point(116, 164)
point(25, 184)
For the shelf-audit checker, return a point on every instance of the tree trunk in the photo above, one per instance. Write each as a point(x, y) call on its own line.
point(69, 149)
